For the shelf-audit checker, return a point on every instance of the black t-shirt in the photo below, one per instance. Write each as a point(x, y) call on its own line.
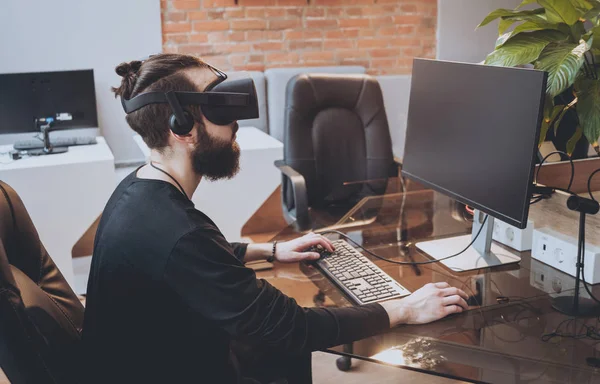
point(167, 293)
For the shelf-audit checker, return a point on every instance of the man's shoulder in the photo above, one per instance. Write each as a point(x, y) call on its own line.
point(204, 239)
point(201, 228)
point(152, 213)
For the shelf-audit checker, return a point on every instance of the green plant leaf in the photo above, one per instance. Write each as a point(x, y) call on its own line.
point(582, 5)
point(558, 119)
point(560, 11)
point(588, 108)
point(562, 61)
point(578, 30)
point(593, 12)
point(503, 39)
point(504, 24)
point(521, 49)
point(589, 39)
point(507, 21)
point(572, 142)
point(596, 32)
point(548, 105)
point(505, 13)
point(538, 24)
point(526, 2)
point(554, 112)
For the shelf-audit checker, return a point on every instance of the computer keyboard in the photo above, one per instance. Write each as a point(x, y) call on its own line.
point(36, 143)
point(357, 276)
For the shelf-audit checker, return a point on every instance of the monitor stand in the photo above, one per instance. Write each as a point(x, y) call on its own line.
point(52, 151)
point(482, 254)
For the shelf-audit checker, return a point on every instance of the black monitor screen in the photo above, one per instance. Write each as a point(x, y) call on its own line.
point(27, 96)
point(472, 134)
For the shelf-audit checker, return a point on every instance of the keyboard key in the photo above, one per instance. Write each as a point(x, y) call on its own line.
point(369, 298)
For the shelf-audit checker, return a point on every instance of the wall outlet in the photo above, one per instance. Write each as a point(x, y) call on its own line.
point(513, 237)
point(560, 251)
point(552, 281)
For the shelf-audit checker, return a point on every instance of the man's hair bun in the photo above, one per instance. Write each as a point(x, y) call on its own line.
point(128, 69)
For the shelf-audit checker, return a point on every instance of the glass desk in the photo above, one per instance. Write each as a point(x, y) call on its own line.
point(499, 340)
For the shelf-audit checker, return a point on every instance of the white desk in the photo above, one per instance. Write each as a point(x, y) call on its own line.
point(63, 193)
point(231, 203)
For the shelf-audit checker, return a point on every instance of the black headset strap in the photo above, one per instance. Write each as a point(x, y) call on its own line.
point(168, 174)
point(176, 108)
point(184, 98)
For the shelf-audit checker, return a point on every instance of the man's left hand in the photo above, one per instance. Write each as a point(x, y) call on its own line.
point(295, 250)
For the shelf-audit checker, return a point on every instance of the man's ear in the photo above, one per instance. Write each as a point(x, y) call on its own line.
point(188, 138)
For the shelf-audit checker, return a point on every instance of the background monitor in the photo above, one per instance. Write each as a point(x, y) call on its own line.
point(26, 96)
point(472, 134)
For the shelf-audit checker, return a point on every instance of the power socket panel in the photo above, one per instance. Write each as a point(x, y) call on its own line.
point(518, 239)
point(560, 251)
point(552, 281)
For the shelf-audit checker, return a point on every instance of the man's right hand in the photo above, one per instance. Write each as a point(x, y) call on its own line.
point(432, 302)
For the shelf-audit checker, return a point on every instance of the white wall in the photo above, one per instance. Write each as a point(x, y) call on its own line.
point(396, 94)
point(52, 35)
point(458, 40)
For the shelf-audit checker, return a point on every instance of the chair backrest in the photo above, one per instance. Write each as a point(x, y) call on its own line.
point(277, 80)
point(336, 131)
point(40, 317)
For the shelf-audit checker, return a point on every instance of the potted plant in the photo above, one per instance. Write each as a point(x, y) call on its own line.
point(561, 37)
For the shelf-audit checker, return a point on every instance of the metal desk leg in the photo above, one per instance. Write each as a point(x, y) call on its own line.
point(344, 363)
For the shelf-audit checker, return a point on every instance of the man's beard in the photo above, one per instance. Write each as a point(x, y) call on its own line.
point(215, 159)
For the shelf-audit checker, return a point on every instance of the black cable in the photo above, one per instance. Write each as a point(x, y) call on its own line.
point(564, 190)
point(406, 262)
point(536, 200)
point(172, 178)
point(548, 336)
point(591, 332)
point(572, 170)
point(589, 183)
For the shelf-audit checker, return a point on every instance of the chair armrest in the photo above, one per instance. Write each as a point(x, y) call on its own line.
point(288, 171)
point(299, 191)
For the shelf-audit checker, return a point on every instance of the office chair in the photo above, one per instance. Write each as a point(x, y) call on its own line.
point(40, 316)
point(337, 144)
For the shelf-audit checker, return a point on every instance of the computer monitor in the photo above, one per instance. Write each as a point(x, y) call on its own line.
point(472, 134)
point(27, 96)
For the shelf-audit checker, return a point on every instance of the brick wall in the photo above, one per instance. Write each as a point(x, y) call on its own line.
point(382, 35)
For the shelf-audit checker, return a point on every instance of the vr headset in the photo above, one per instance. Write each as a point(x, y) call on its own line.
point(223, 102)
